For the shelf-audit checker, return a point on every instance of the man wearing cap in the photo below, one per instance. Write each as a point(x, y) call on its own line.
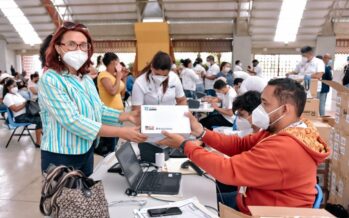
point(346, 74)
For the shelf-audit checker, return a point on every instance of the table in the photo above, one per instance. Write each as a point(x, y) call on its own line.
point(115, 186)
point(201, 109)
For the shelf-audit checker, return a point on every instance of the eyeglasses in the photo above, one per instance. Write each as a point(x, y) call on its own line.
point(72, 46)
point(70, 25)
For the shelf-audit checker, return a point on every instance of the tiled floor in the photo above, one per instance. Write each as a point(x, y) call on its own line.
point(20, 177)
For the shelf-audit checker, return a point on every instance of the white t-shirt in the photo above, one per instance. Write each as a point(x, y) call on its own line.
point(241, 74)
point(198, 70)
point(146, 92)
point(14, 99)
point(212, 71)
point(238, 68)
point(258, 71)
point(189, 79)
point(315, 65)
point(227, 102)
point(253, 83)
point(1, 91)
point(35, 86)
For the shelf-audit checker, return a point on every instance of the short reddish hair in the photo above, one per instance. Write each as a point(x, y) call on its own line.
point(52, 56)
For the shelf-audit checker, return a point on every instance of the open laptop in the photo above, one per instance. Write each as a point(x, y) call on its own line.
point(145, 182)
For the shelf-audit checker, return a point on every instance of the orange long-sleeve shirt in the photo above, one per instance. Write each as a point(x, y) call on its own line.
point(278, 170)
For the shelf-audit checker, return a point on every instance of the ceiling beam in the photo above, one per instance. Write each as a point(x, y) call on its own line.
point(105, 13)
point(51, 10)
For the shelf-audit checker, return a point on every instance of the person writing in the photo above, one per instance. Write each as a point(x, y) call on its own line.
point(72, 113)
point(157, 85)
point(263, 164)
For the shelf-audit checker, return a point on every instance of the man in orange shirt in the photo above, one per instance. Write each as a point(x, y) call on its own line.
point(274, 167)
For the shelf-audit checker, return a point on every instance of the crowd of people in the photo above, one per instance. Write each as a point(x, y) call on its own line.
point(82, 111)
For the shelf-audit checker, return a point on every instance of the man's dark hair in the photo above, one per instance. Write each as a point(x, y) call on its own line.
point(237, 62)
point(289, 91)
point(198, 60)
point(255, 61)
point(219, 84)
point(320, 57)
point(43, 47)
point(306, 49)
point(248, 101)
point(185, 62)
point(34, 75)
point(109, 57)
point(237, 81)
point(210, 57)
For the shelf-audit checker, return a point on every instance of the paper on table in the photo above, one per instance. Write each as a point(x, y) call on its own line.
point(174, 165)
point(191, 208)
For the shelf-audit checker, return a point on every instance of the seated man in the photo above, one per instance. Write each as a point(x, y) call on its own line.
point(242, 108)
point(225, 115)
point(280, 166)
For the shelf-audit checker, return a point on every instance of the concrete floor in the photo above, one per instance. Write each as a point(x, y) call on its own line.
point(20, 176)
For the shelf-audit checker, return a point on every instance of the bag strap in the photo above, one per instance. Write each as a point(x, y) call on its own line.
point(52, 194)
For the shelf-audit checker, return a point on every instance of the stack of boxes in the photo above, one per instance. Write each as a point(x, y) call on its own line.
point(339, 142)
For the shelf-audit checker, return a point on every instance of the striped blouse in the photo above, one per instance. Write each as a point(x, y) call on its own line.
point(71, 113)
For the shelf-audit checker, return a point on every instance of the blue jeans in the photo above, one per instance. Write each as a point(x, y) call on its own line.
point(211, 92)
point(3, 107)
point(200, 87)
point(83, 162)
point(189, 94)
point(322, 97)
point(228, 199)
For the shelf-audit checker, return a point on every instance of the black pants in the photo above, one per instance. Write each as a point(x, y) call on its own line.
point(25, 118)
point(215, 120)
point(83, 162)
point(106, 145)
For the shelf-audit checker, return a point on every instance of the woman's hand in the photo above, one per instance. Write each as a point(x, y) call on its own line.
point(196, 127)
point(171, 139)
point(132, 134)
point(133, 117)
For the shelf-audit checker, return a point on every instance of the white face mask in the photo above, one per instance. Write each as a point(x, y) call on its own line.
point(226, 69)
point(75, 59)
point(304, 59)
point(14, 90)
point(243, 124)
point(208, 64)
point(159, 79)
point(261, 119)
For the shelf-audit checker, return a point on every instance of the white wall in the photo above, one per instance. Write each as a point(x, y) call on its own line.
point(10, 59)
point(7, 57)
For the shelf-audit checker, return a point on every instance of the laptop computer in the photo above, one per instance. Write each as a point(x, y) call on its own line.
point(145, 182)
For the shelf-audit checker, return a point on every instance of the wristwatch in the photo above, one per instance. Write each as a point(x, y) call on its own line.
point(181, 146)
point(201, 135)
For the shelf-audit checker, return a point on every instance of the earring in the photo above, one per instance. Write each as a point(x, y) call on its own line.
point(59, 58)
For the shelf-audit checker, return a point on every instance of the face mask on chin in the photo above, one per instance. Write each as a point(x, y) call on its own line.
point(14, 90)
point(261, 119)
point(304, 59)
point(75, 59)
point(226, 69)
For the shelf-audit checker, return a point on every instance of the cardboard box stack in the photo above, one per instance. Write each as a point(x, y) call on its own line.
point(339, 141)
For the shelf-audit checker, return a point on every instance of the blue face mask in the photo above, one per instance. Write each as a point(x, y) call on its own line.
point(330, 62)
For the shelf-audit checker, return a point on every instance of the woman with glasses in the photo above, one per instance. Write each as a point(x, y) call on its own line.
point(72, 112)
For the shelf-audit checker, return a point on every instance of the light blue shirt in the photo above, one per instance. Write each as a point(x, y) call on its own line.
point(71, 113)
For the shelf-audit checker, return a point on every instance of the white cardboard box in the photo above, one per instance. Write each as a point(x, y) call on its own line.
point(158, 118)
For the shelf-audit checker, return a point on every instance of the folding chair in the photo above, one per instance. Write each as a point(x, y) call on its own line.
point(13, 125)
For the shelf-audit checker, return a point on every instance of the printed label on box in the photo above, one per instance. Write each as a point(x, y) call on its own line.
point(339, 99)
point(336, 147)
point(343, 145)
point(337, 137)
point(340, 188)
point(335, 155)
point(342, 150)
point(336, 118)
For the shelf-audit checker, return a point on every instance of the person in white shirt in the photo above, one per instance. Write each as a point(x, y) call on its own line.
point(210, 75)
point(17, 104)
point(253, 83)
point(241, 74)
point(309, 68)
point(255, 70)
point(33, 86)
point(200, 71)
point(238, 66)
point(225, 116)
point(157, 85)
point(189, 78)
point(3, 77)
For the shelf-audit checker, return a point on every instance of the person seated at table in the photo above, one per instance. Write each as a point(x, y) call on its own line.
point(17, 104)
point(273, 167)
point(157, 85)
point(243, 107)
point(225, 116)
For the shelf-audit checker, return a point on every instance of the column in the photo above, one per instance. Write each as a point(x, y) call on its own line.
point(242, 50)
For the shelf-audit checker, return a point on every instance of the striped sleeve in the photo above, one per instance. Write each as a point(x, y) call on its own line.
point(61, 107)
point(110, 116)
